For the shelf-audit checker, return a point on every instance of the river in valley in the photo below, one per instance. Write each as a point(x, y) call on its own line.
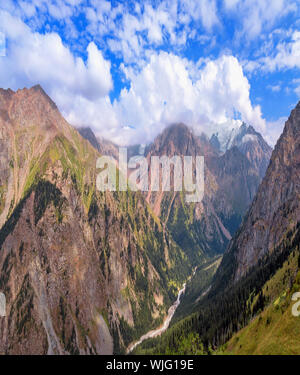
point(165, 326)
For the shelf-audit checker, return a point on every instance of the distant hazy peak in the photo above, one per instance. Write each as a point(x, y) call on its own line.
point(223, 141)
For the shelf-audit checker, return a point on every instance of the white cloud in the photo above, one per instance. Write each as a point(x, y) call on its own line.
point(275, 129)
point(204, 11)
point(80, 89)
point(36, 58)
point(231, 4)
point(258, 15)
point(287, 55)
point(131, 32)
point(296, 82)
point(163, 93)
point(274, 88)
point(167, 89)
point(297, 91)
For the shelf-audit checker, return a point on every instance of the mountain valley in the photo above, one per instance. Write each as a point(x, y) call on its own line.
point(74, 287)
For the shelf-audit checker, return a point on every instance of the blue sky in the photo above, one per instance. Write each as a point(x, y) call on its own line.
point(129, 68)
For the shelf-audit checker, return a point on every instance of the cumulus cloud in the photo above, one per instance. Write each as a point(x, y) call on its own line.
point(209, 94)
point(33, 57)
point(79, 88)
point(164, 92)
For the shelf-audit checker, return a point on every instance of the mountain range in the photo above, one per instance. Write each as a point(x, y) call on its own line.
point(248, 306)
point(73, 287)
point(231, 181)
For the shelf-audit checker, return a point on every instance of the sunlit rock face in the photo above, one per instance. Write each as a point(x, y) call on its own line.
point(276, 209)
point(83, 272)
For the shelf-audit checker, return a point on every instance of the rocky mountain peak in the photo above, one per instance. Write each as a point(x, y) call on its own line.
point(80, 285)
point(249, 142)
point(30, 108)
point(177, 134)
point(89, 135)
point(180, 139)
point(236, 137)
point(40, 91)
point(276, 208)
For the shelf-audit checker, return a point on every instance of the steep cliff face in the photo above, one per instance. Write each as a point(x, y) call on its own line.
point(72, 285)
point(275, 210)
point(238, 180)
point(195, 226)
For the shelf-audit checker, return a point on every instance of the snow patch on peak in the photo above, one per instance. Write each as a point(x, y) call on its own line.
point(238, 134)
point(249, 138)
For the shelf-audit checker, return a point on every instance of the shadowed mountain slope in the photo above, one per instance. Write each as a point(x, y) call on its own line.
point(72, 285)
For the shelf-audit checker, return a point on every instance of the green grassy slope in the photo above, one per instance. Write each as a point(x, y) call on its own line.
point(274, 331)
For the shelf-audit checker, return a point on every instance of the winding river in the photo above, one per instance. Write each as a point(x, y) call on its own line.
point(164, 327)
